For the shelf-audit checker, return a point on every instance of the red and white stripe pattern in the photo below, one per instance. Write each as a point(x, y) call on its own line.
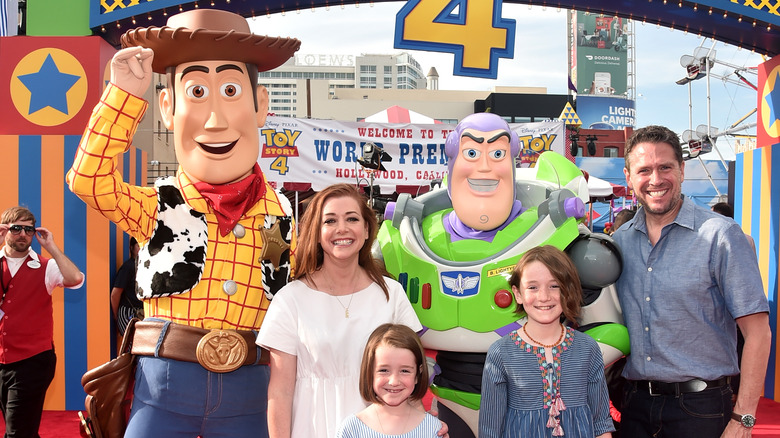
point(398, 114)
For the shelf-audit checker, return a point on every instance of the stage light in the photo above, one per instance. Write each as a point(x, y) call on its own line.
point(372, 159)
point(574, 146)
point(591, 139)
point(373, 156)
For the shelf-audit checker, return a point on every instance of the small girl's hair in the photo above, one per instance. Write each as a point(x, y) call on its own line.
point(564, 272)
point(398, 336)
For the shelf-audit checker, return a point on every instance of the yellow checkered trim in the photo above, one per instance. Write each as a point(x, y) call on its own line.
point(771, 6)
point(110, 5)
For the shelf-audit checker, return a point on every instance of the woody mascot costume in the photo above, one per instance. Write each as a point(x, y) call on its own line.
point(216, 240)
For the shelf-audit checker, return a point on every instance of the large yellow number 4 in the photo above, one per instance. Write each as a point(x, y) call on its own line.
point(280, 165)
point(472, 30)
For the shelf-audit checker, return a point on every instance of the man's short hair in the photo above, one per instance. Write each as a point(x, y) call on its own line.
point(17, 213)
point(654, 134)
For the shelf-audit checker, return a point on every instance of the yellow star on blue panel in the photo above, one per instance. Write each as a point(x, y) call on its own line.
point(48, 87)
point(773, 100)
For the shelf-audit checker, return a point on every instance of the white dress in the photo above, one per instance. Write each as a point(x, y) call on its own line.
point(310, 324)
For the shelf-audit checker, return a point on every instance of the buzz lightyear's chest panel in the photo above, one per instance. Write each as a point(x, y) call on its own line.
point(459, 283)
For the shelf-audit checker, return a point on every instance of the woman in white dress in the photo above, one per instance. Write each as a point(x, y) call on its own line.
point(317, 326)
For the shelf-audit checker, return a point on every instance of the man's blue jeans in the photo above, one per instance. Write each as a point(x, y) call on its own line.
point(702, 414)
point(175, 399)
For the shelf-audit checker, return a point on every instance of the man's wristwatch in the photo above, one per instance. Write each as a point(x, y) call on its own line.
point(746, 420)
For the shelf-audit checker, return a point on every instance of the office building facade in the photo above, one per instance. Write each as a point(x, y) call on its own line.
point(290, 85)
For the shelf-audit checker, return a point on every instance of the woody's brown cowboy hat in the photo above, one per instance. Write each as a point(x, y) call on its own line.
point(210, 35)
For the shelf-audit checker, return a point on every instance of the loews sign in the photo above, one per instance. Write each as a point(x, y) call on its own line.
point(331, 60)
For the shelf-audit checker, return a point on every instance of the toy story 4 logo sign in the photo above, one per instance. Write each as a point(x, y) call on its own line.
point(317, 153)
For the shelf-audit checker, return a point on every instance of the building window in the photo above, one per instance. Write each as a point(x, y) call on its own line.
point(610, 152)
point(367, 81)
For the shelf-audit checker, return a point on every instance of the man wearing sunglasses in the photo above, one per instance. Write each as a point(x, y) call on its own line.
point(27, 358)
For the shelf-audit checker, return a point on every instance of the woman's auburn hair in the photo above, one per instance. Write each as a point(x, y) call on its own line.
point(309, 256)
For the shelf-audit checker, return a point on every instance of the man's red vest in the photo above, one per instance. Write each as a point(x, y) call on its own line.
point(27, 327)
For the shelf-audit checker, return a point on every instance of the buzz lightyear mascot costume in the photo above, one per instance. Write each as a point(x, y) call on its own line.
point(454, 249)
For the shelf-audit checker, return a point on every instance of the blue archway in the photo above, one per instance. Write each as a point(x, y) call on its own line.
point(749, 24)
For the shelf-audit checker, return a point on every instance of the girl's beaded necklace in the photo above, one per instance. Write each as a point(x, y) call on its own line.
point(551, 374)
point(560, 338)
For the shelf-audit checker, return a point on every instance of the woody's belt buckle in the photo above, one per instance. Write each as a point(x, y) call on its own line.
point(221, 351)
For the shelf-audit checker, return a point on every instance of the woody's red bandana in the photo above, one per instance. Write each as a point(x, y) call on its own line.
point(230, 201)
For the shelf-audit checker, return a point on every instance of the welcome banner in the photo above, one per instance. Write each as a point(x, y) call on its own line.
point(299, 154)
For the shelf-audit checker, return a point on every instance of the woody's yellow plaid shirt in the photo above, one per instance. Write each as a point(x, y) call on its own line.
point(94, 178)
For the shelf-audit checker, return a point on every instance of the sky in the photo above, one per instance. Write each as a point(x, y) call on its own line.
point(540, 60)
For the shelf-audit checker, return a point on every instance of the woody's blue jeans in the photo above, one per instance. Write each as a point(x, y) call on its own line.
point(175, 399)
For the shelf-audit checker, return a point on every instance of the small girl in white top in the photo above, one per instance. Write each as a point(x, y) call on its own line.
point(394, 379)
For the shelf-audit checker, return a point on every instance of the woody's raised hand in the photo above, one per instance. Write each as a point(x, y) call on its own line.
point(131, 70)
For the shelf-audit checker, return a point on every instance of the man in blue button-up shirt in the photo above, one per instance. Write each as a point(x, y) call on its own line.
point(689, 278)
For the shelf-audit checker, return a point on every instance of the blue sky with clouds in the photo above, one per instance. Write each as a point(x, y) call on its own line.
point(540, 60)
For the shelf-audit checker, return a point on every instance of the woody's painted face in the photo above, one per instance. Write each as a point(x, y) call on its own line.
point(214, 123)
point(482, 182)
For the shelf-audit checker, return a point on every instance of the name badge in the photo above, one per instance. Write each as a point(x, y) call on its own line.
point(34, 264)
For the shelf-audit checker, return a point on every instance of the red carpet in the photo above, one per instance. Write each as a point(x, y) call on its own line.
point(65, 424)
point(57, 424)
point(769, 423)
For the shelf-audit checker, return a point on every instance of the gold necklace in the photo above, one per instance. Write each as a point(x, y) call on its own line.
point(346, 308)
point(408, 414)
point(563, 332)
point(351, 295)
